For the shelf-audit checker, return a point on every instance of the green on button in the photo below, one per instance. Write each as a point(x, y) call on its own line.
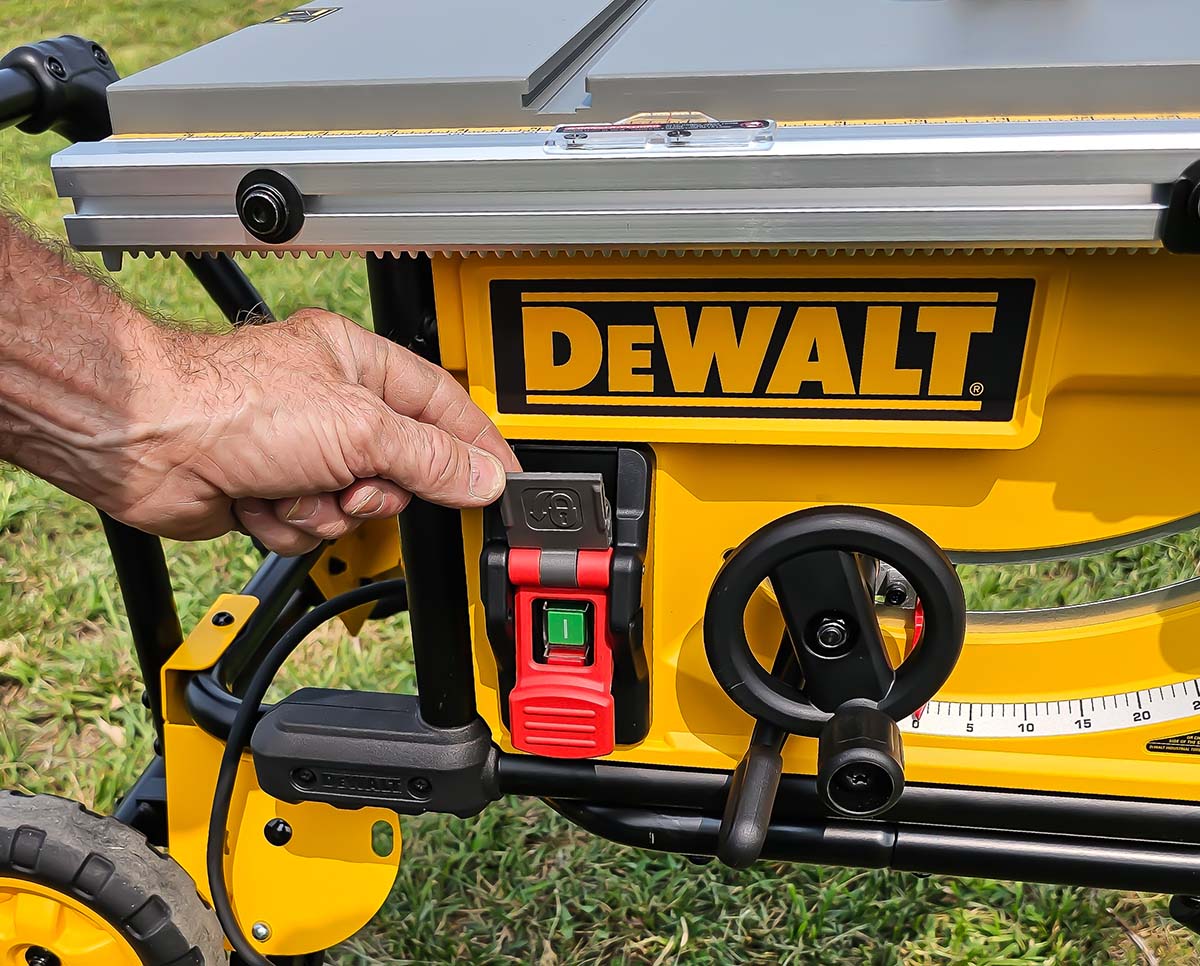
point(566, 626)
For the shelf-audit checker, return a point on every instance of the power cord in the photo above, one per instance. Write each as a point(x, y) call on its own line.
point(239, 740)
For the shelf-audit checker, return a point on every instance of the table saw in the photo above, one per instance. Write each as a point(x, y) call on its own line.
point(788, 310)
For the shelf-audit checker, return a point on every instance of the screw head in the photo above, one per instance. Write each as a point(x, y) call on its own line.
point(831, 633)
point(277, 832)
point(260, 931)
point(100, 54)
point(420, 787)
point(895, 594)
point(56, 68)
point(40, 956)
point(222, 618)
point(304, 777)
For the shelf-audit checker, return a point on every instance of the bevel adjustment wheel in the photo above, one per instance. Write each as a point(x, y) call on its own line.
point(812, 559)
point(80, 889)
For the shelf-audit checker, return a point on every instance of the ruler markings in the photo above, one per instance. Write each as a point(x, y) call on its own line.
point(1129, 709)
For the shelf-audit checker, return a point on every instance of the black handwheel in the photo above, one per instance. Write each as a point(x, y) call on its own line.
point(808, 557)
point(831, 678)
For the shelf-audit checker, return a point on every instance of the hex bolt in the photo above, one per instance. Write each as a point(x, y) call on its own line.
point(56, 68)
point(38, 956)
point(420, 787)
point(895, 594)
point(222, 618)
point(277, 832)
point(304, 777)
point(260, 931)
point(831, 633)
point(101, 56)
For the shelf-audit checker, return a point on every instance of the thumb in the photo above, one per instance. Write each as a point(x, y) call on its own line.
point(429, 462)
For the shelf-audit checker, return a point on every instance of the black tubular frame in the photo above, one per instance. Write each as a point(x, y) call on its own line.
point(18, 96)
point(402, 310)
point(1074, 839)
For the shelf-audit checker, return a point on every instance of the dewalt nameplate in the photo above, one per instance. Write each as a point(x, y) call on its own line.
point(879, 348)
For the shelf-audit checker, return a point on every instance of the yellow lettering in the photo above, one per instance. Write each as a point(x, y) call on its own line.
point(585, 350)
point(880, 377)
point(738, 362)
point(952, 327)
point(813, 352)
point(623, 358)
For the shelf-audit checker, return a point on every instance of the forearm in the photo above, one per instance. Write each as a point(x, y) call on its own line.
point(72, 353)
point(295, 431)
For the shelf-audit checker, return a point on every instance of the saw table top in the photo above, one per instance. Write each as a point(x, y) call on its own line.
point(380, 64)
point(486, 125)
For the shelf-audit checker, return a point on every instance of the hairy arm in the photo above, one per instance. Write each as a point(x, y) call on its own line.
point(293, 431)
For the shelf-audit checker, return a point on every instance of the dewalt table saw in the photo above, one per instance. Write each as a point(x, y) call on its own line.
point(788, 309)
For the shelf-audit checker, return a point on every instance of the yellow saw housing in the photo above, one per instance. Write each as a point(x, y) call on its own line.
point(712, 303)
point(1104, 386)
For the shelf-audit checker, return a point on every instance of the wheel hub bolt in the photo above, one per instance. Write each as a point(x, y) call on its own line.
point(37, 956)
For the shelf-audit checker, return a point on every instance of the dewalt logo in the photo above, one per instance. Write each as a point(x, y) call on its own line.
point(879, 348)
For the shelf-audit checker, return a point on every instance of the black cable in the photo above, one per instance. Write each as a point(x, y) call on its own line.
point(239, 739)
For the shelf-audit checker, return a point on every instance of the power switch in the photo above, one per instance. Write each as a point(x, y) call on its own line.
point(566, 627)
point(566, 634)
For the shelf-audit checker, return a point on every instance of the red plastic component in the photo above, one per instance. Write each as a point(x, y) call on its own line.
point(564, 707)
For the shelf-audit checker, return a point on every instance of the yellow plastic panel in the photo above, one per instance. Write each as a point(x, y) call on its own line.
point(371, 551)
point(315, 891)
point(1111, 376)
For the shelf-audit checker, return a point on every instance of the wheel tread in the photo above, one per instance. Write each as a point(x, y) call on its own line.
point(113, 869)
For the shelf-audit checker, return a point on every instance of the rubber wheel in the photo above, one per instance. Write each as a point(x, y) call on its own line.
point(80, 889)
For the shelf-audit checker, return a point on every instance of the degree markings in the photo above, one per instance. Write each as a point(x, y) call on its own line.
point(1068, 716)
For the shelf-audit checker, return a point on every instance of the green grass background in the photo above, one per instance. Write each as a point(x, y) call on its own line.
point(517, 884)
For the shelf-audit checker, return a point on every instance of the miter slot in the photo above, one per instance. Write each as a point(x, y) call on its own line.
point(372, 64)
point(560, 87)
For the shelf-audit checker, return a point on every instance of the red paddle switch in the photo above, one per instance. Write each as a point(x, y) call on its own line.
point(562, 703)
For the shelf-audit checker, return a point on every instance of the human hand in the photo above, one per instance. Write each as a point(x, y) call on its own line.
point(295, 431)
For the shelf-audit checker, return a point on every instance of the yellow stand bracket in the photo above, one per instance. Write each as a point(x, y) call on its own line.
point(312, 892)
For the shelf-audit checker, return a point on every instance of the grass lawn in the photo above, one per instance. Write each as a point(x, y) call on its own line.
point(518, 884)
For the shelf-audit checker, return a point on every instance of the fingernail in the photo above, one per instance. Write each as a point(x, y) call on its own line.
point(302, 509)
point(487, 475)
point(369, 500)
